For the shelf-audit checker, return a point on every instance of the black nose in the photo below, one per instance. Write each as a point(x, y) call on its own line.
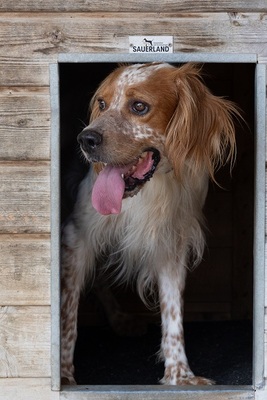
point(89, 139)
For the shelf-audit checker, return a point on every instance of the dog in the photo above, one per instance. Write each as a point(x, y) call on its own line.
point(148, 41)
point(155, 138)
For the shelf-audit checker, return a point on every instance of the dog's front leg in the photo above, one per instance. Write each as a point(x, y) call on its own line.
point(74, 263)
point(70, 295)
point(171, 283)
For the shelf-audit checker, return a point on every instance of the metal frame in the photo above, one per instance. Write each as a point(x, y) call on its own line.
point(259, 226)
point(149, 392)
point(55, 226)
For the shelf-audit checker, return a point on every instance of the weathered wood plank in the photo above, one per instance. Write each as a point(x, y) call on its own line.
point(25, 197)
point(133, 5)
point(25, 270)
point(24, 124)
point(22, 71)
point(25, 342)
point(29, 42)
point(45, 35)
point(27, 389)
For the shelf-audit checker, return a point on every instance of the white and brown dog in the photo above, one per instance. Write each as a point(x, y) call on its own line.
point(155, 137)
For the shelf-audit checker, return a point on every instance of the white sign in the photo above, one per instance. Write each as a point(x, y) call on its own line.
point(151, 44)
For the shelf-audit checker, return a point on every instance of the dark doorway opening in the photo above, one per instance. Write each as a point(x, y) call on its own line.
point(218, 307)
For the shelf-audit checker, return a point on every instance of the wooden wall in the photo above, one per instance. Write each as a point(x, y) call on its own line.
point(32, 34)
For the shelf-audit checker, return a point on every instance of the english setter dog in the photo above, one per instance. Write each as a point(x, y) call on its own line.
point(155, 137)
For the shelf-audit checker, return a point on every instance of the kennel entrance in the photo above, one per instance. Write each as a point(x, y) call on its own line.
point(219, 294)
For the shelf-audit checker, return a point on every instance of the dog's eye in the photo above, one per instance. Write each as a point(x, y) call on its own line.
point(140, 108)
point(101, 104)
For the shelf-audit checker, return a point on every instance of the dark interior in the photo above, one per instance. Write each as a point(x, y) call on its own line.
point(218, 298)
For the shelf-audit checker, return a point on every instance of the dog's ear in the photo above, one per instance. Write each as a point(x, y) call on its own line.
point(201, 133)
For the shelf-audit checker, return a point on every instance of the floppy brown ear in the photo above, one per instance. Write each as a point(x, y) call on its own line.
point(201, 133)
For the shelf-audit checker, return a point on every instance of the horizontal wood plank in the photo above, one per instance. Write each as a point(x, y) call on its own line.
point(24, 124)
point(133, 5)
point(25, 342)
point(23, 71)
point(27, 389)
point(44, 36)
point(29, 42)
point(25, 197)
point(25, 269)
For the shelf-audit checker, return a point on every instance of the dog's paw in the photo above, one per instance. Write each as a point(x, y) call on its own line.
point(175, 376)
point(194, 380)
point(68, 381)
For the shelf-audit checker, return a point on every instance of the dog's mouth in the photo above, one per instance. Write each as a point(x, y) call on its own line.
point(117, 182)
point(142, 171)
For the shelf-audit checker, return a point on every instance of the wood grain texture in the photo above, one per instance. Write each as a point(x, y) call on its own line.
point(25, 270)
point(29, 42)
point(27, 389)
point(25, 341)
point(25, 197)
point(24, 123)
point(133, 5)
point(23, 71)
point(45, 35)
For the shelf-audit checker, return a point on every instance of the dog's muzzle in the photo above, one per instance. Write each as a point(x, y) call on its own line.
point(116, 180)
point(89, 140)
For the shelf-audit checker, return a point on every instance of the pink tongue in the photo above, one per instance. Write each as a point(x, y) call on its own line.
point(109, 186)
point(108, 190)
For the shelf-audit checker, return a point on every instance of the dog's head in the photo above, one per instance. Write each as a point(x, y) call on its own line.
point(153, 118)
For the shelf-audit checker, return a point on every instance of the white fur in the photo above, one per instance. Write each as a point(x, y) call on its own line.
point(173, 227)
point(135, 74)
